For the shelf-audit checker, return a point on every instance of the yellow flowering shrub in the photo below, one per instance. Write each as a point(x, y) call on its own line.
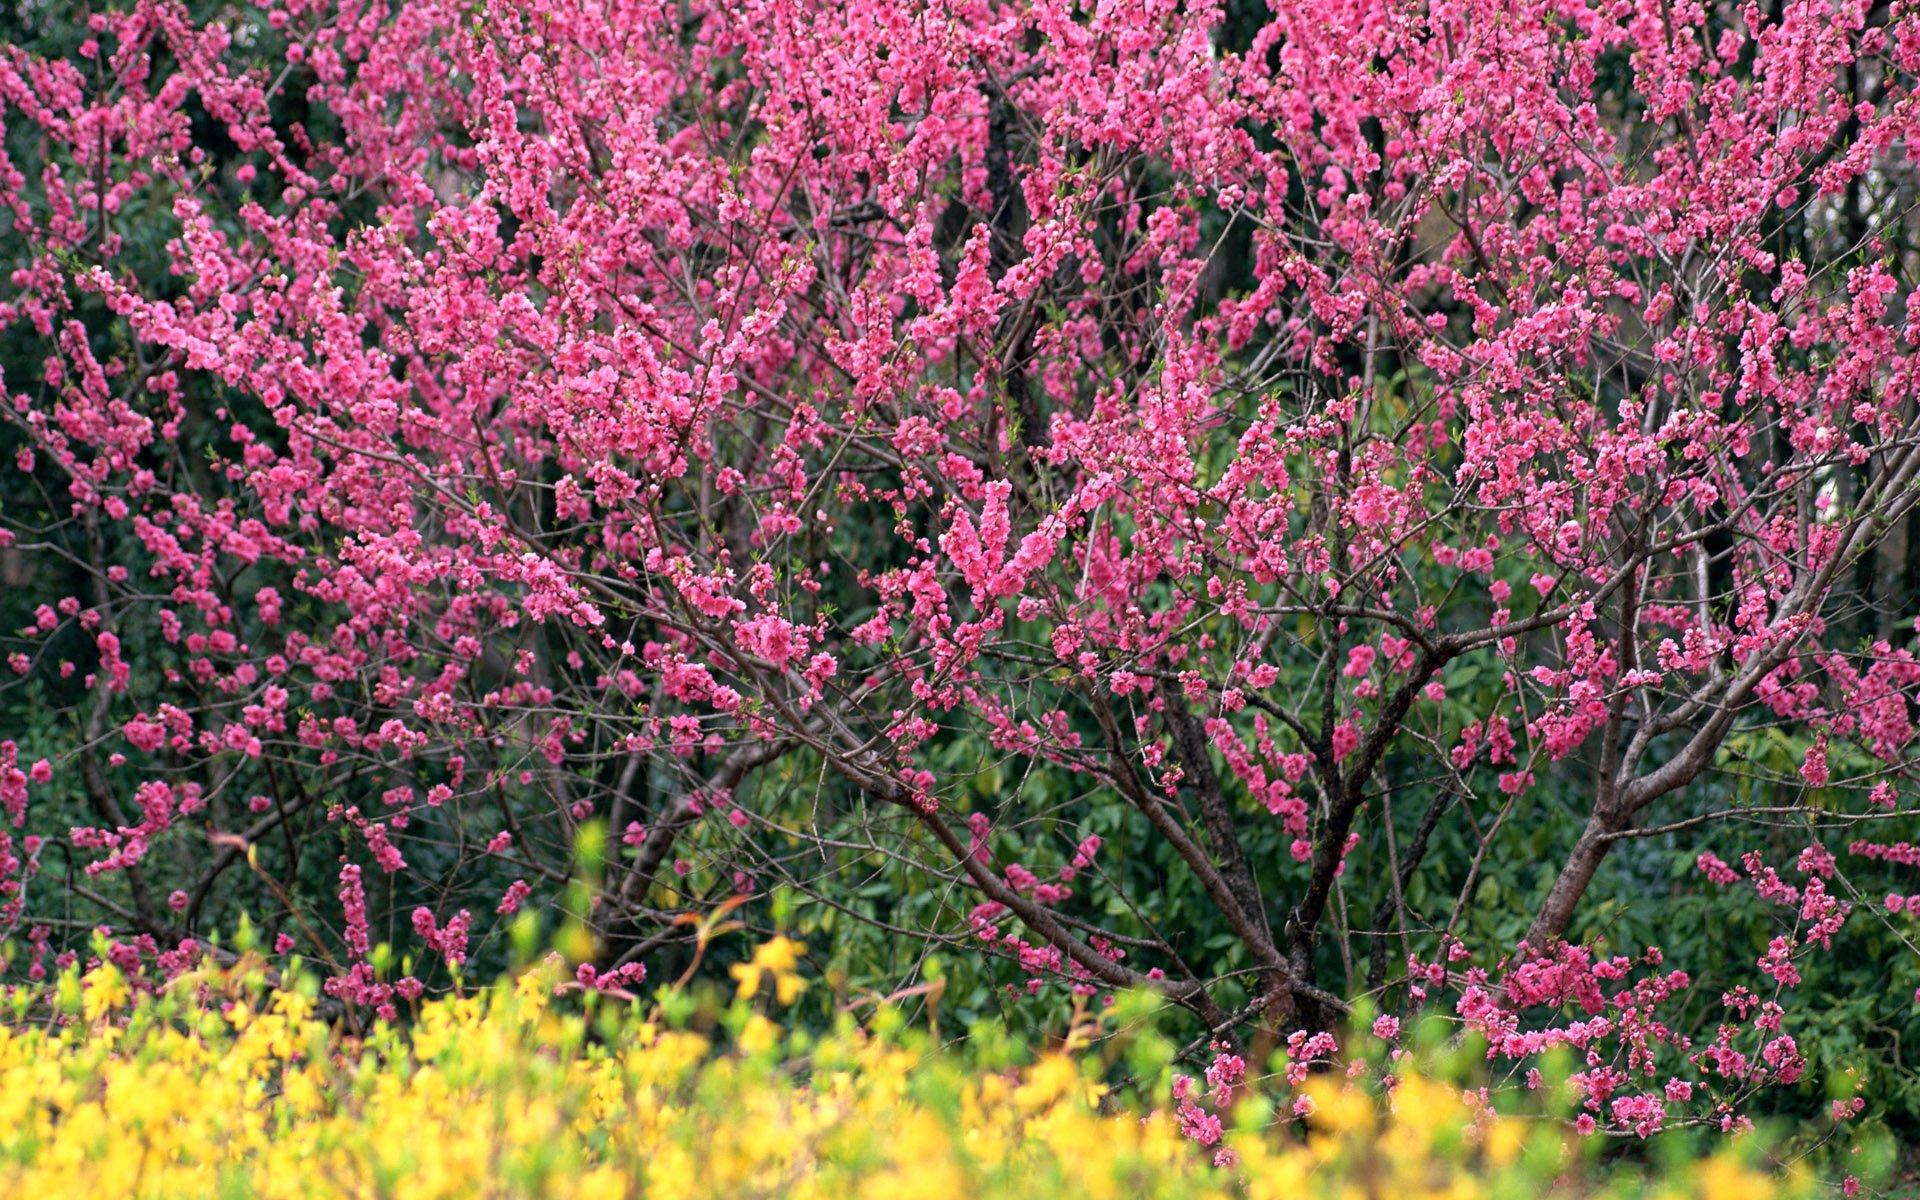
point(223, 1087)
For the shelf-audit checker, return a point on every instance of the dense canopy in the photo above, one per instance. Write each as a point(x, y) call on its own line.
point(1389, 500)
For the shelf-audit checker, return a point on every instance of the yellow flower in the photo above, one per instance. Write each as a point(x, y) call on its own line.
point(505, 1093)
point(760, 1035)
point(104, 989)
point(1339, 1107)
point(1723, 1177)
point(778, 957)
point(1051, 1078)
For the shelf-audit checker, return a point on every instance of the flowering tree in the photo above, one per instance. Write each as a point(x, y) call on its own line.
point(746, 428)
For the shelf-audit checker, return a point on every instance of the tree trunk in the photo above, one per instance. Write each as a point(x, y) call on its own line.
point(1557, 913)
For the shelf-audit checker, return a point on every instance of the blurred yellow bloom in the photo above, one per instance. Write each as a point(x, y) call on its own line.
point(1722, 1177)
point(103, 989)
point(778, 957)
point(759, 1035)
point(1051, 1078)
